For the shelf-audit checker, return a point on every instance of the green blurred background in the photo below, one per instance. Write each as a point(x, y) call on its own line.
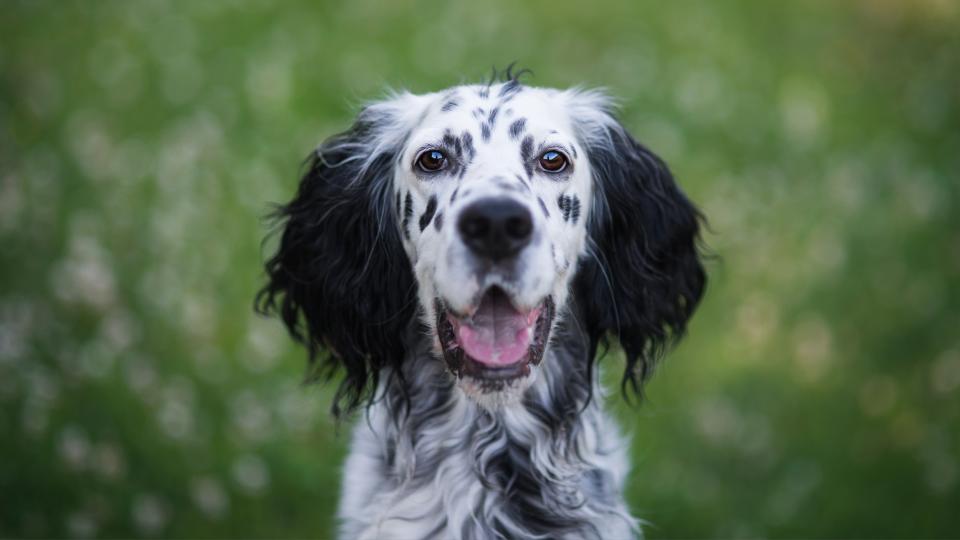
point(141, 143)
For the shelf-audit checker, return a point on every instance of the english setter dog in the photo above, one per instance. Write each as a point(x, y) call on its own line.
point(459, 258)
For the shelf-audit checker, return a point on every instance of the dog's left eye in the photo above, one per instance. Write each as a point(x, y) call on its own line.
point(553, 161)
point(431, 160)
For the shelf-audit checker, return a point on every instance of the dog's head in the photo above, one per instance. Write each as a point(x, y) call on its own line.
point(487, 213)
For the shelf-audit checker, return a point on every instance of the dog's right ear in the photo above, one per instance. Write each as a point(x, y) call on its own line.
point(340, 279)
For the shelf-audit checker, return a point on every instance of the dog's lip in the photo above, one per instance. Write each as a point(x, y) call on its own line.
point(474, 304)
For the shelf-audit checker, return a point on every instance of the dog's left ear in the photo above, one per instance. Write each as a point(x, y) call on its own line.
point(642, 277)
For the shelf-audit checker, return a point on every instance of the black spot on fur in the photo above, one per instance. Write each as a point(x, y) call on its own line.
point(438, 221)
point(448, 139)
point(468, 145)
point(523, 181)
point(450, 105)
point(492, 119)
point(407, 214)
point(485, 132)
point(573, 149)
point(484, 92)
point(428, 213)
point(517, 128)
point(458, 148)
point(543, 206)
point(526, 154)
point(399, 209)
point(575, 209)
point(566, 206)
point(453, 196)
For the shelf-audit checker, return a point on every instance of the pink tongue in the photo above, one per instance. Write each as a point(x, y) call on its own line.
point(497, 334)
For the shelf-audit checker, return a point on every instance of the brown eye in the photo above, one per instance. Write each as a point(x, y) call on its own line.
point(553, 161)
point(432, 160)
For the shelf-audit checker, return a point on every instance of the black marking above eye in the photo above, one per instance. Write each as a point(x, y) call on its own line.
point(468, 146)
point(428, 213)
point(517, 128)
point(458, 147)
point(448, 139)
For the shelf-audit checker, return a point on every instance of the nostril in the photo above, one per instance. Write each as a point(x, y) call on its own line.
point(518, 227)
point(474, 226)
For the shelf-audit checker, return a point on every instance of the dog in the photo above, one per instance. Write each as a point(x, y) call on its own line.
point(460, 259)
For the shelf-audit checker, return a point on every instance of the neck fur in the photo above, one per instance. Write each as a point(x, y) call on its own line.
point(541, 466)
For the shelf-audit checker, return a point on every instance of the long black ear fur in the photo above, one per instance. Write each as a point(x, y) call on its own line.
point(340, 279)
point(643, 278)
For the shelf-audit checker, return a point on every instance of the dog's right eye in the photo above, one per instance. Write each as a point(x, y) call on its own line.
point(431, 160)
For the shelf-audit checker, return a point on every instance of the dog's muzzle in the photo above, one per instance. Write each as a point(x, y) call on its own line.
point(497, 342)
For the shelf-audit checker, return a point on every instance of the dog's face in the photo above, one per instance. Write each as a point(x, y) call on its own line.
point(492, 192)
point(487, 213)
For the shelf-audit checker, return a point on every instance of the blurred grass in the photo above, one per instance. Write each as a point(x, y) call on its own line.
point(141, 143)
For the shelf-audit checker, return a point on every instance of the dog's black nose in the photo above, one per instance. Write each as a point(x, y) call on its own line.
point(495, 228)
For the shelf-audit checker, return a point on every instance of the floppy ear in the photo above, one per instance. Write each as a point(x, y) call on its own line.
point(643, 278)
point(340, 279)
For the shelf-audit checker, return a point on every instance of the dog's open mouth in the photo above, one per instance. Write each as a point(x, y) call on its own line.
point(497, 342)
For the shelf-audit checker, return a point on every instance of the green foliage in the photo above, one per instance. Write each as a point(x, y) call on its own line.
point(141, 144)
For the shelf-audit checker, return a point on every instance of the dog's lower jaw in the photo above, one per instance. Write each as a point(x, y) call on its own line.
point(509, 394)
point(451, 466)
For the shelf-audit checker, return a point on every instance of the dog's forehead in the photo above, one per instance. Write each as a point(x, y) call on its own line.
point(496, 107)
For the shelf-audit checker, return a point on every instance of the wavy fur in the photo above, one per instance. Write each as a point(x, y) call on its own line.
point(428, 460)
